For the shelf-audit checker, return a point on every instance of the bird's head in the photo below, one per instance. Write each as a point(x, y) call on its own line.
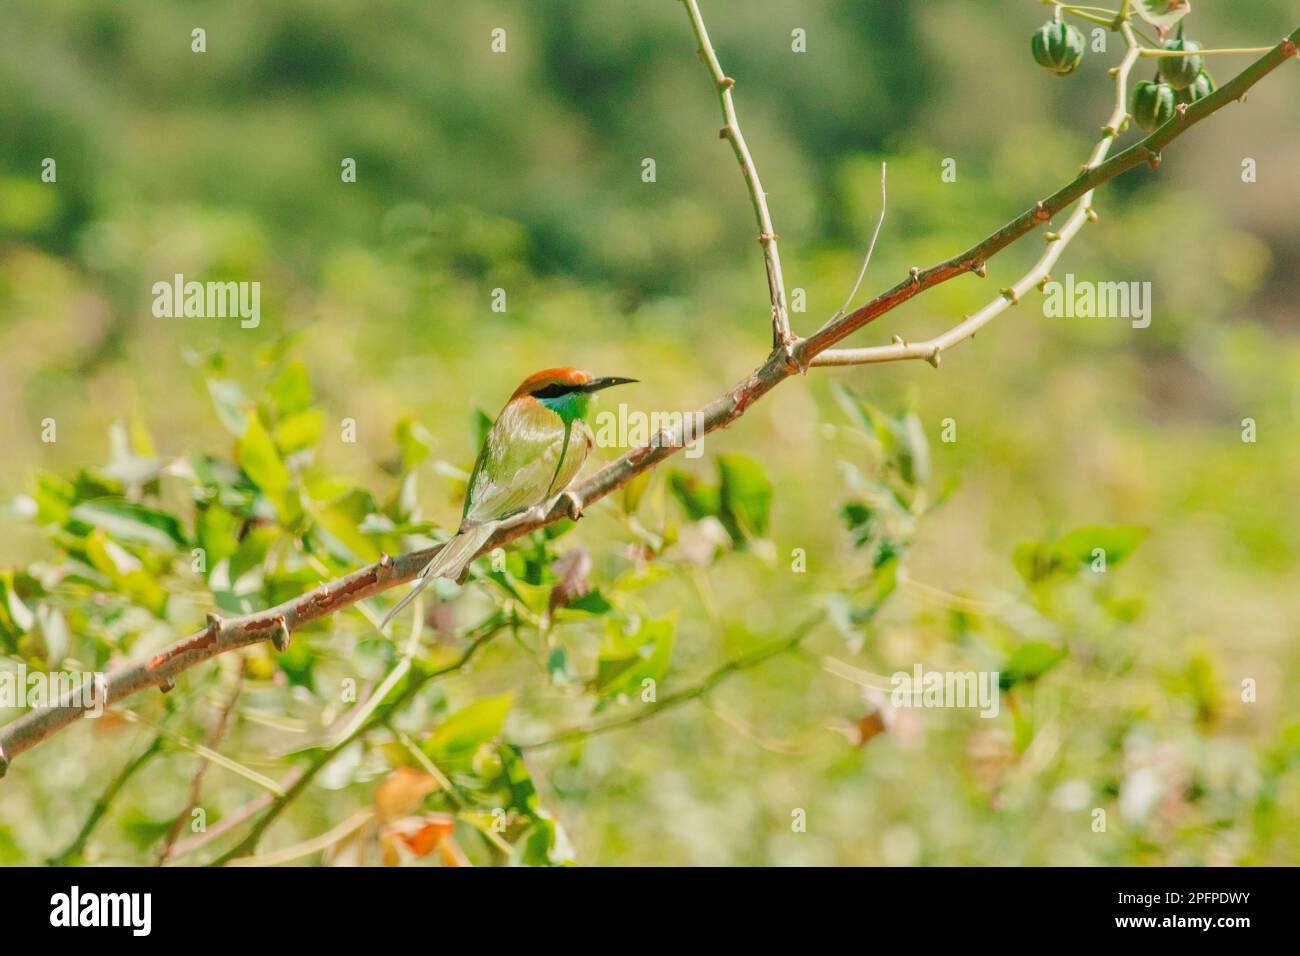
point(565, 391)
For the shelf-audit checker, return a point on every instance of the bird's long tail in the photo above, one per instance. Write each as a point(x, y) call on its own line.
point(450, 562)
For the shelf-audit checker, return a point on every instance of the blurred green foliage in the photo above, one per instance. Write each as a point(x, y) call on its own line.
point(478, 171)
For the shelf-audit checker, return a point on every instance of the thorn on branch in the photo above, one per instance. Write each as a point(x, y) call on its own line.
point(1289, 47)
point(4, 763)
point(281, 637)
point(215, 623)
point(726, 83)
point(385, 561)
point(725, 132)
point(1181, 109)
point(573, 505)
point(1041, 213)
point(934, 357)
point(168, 684)
point(981, 269)
point(1042, 283)
point(1091, 214)
point(898, 340)
point(1153, 157)
point(915, 273)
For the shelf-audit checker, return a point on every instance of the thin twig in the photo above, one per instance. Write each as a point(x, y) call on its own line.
point(315, 845)
point(78, 844)
point(196, 785)
point(853, 293)
point(248, 845)
point(931, 350)
point(782, 337)
point(695, 692)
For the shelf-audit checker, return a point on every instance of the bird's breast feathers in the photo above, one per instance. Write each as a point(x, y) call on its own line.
point(524, 461)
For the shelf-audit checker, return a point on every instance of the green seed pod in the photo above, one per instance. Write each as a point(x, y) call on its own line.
point(1153, 104)
point(1201, 87)
point(1181, 72)
point(1058, 46)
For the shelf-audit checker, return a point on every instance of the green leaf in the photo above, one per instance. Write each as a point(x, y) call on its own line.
point(698, 499)
point(593, 602)
point(746, 497)
point(125, 571)
point(299, 430)
point(1118, 541)
point(127, 521)
point(415, 442)
point(216, 532)
point(1039, 560)
point(1163, 14)
point(1030, 662)
point(342, 519)
point(634, 491)
point(229, 401)
point(257, 455)
point(291, 391)
point(453, 743)
point(627, 660)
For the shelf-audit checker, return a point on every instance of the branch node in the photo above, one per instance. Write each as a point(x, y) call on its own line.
point(1181, 109)
point(4, 763)
point(1010, 294)
point(981, 269)
point(1051, 237)
point(725, 132)
point(915, 274)
point(281, 637)
point(572, 504)
point(1153, 157)
point(766, 237)
point(1109, 131)
point(1289, 47)
point(215, 623)
point(1042, 283)
point(726, 83)
point(1091, 214)
point(1041, 213)
point(385, 561)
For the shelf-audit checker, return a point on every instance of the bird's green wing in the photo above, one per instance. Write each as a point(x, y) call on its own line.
point(524, 460)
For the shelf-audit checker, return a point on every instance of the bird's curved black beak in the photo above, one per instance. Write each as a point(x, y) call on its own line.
point(596, 384)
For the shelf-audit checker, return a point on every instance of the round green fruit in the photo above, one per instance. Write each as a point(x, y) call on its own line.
point(1181, 72)
point(1153, 104)
point(1058, 46)
point(1201, 87)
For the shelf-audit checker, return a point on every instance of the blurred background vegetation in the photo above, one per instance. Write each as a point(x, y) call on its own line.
point(522, 171)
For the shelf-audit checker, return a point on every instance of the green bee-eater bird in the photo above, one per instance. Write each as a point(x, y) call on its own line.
point(533, 451)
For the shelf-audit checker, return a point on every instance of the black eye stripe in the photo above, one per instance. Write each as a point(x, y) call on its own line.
point(555, 390)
